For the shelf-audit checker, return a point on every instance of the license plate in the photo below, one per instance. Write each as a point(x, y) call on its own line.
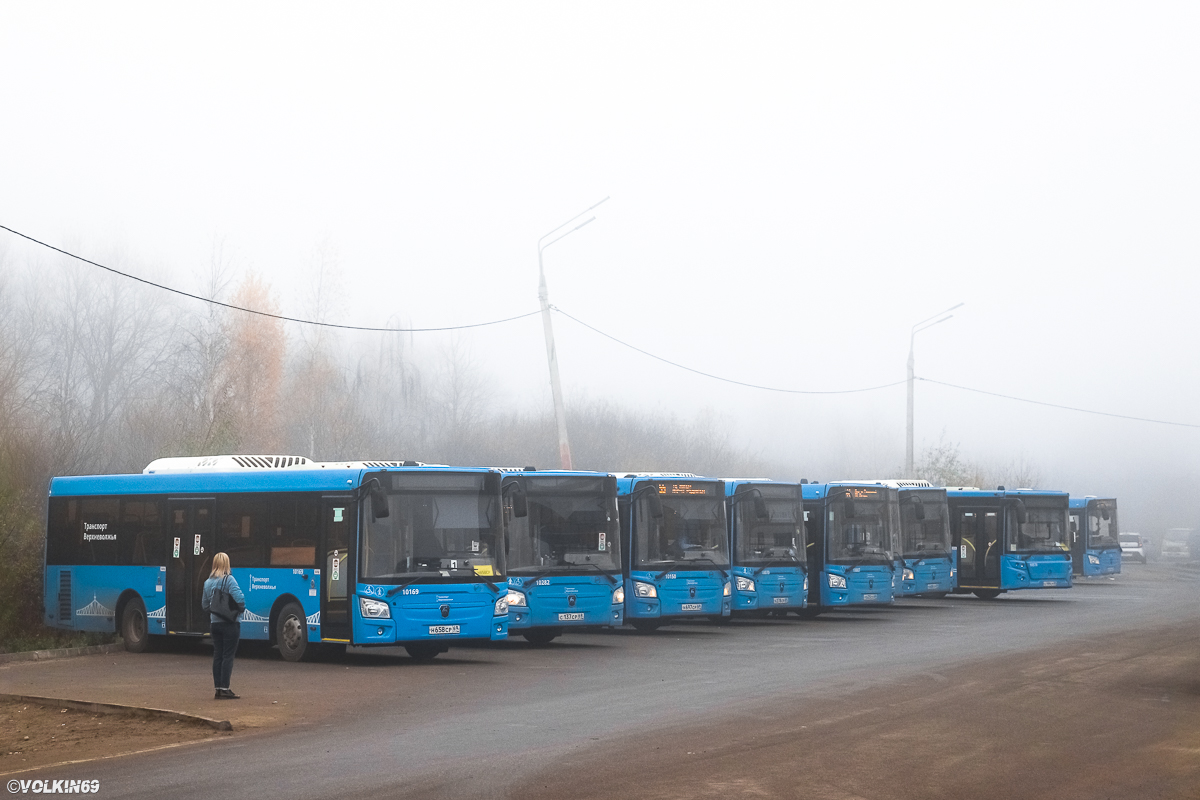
point(434, 630)
point(870, 597)
point(1049, 583)
point(571, 617)
point(933, 586)
point(779, 601)
point(692, 606)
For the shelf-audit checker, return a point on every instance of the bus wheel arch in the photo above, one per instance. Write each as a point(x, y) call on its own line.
point(289, 629)
point(986, 594)
point(132, 623)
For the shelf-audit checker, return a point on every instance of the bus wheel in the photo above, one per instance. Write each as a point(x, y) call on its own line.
point(540, 636)
point(134, 629)
point(291, 634)
point(422, 651)
point(644, 625)
point(986, 594)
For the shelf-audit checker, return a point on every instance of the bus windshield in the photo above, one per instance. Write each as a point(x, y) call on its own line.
point(859, 531)
point(1044, 529)
point(438, 524)
point(776, 539)
point(928, 537)
point(1102, 525)
point(572, 525)
point(690, 534)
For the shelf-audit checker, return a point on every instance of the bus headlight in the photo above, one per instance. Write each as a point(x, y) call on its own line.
point(1094, 559)
point(837, 581)
point(516, 598)
point(501, 607)
point(644, 589)
point(806, 583)
point(908, 575)
point(373, 609)
point(728, 589)
point(744, 584)
point(619, 595)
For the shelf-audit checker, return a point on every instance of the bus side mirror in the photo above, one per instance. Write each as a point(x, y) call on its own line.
point(1104, 512)
point(918, 508)
point(379, 503)
point(1022, 514)
point(848, 508)
point(520, 503)
point(760, 509)
point(654, 504)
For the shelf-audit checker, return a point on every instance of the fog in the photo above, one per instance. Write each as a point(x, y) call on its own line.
point(792, 187)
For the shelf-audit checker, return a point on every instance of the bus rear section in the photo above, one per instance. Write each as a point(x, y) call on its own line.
point(325, 554)
point(564, 552)
point(929, 564)
point(1095, 537)
point(1009, 539)
point(767, 548)
point(849, 536)
point(675, 548)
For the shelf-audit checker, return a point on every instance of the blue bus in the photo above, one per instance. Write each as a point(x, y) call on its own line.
point(1095, 549)
point(674, 548)
point(1009, 539)
point(766, 545)
point(564, 552)
point(927, 556)
point(851, 528)
point(366, 553)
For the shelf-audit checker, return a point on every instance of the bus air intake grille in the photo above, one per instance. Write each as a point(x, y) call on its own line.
point(64, 596)
point(378, 464)
point(269, 462)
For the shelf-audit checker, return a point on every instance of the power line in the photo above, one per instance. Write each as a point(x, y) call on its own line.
point(211, 301)
point(1056, 405)
point(718, 377)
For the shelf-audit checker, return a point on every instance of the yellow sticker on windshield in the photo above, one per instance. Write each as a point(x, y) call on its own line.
point(483, 569)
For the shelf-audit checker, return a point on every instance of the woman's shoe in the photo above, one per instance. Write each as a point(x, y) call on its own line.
point(227, 694)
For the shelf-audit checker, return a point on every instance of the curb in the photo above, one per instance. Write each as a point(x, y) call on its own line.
point(62, 652)
point(115, 708)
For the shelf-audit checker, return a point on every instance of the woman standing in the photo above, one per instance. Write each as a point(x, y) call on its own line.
point(226, 630)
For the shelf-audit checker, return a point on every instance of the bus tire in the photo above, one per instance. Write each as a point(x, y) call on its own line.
point(135, 629)
point(291, 634)
point(423, 651)
point(541, 636)
point(645, 625)
point(986, 594)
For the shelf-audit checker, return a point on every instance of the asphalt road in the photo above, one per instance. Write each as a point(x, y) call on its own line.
point(483, 720)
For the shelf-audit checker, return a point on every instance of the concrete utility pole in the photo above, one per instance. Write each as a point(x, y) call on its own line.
point(560, 414)
point(920, 326)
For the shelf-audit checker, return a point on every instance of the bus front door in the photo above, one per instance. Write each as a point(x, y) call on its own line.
point(340, 514)
point(190, 544)
point(979, 548)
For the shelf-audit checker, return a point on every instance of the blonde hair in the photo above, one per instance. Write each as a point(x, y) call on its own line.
point(220, 565)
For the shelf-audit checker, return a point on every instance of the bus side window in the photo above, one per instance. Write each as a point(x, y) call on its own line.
point(294, 523)
point(140, 537)
point(97, 530)
point(63, 518)
point(242, 522)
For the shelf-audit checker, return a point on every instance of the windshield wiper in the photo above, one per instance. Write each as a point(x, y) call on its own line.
point(536, 578)
point(663, 574)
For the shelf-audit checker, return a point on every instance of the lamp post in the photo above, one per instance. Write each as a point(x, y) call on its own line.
point(560, 416)
point(917, 328)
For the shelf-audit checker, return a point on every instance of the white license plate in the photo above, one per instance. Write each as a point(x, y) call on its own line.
point(434, 630)
point(1049, 583)
point(870, 597)
point(779, 601)
point(571, 617)
point(692, 606)
point(933, 586)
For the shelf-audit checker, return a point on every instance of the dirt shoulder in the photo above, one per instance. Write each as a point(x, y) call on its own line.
point(1105, 717)
point(35, 735)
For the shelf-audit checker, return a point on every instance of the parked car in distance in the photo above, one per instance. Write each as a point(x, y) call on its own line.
point(1133, 547)
point(1177, 545)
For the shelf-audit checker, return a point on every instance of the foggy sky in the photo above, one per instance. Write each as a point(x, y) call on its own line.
point(793, 186)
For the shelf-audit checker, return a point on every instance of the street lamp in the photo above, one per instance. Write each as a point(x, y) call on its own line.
point(560, 416)
point(917, 328)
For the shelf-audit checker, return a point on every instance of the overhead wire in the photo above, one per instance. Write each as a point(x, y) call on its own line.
point(258, 312)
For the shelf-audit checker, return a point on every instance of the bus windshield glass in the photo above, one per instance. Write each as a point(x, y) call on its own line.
point(776, 539)
point(445, 524)
point(928, 537)
point(1102, 525)
point(859, 529)
point(1044, 529)
point(572, 526)
point(690, 534)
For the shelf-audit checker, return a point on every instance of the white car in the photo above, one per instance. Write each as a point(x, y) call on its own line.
point(1132, 547)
